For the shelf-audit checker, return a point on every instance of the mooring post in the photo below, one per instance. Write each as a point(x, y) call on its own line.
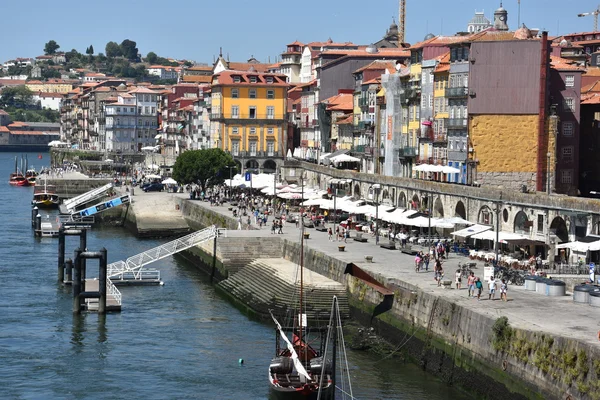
point(214, 260)
point(38, 225)
point(77, 282)
point(69, 270)
point(34, 212)
point(102, 281)
point(83, 247)
point(61, 254)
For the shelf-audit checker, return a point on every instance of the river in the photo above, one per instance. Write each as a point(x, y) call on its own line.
point(177, 341)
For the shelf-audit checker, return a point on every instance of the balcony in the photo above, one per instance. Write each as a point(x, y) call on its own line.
point(407, 152)
point(457, 92)
point(246, 117)
point(440, 138)
point(456, 123)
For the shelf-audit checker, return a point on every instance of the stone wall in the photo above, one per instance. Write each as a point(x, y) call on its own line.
point(69, 188)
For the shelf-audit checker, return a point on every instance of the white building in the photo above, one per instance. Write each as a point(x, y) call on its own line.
point(131, 121)
point(478, 23)
point(51, 101)
point(163, 72)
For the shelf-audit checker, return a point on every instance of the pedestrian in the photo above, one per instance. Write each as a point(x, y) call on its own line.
point(273, 227)
point(337, 233)
point(503, 290)
point(240, 223)
point(280, 226)
point(479, 287)
point(492, 286)
point(330, 234)
point(426, 259)
point(457, 279)
point(471, 284)
point(439, 272)
point(297, 221)
point(417, 262)
point(346, 235)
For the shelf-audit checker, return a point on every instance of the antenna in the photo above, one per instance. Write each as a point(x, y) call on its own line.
point(595, 14)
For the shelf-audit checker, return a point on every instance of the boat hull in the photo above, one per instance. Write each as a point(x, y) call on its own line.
point(281, 393)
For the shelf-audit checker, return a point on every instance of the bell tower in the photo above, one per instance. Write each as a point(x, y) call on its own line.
point(501, 19)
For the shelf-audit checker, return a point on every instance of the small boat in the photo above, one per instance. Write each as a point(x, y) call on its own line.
point(45, 196)
point(31, 174)
point(17, 178)
point(304, 366)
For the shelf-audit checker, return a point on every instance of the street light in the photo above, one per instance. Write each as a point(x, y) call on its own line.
point(497, 210)
point(230, 168)
point(376, 187)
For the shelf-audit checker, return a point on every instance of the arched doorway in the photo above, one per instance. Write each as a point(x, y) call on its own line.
point(357, 193)
point(415, 203)
point(438, 208)
point(459, 210)
point(269, 167)
point(485, 216)
point(521, 223)
point(558, 227)
point(385, 197)
point(252, 166)
point(238, 165)
point(402, 200)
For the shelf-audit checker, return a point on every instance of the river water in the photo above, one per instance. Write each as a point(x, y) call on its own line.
point(177, 341)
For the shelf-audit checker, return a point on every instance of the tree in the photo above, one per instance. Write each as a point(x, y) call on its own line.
point(17, 97)
point(129, 49)
point(151, 57)
point(206, 167)
point(89, 50)
point(72, 55)
point(51, 47)
point(112, 50)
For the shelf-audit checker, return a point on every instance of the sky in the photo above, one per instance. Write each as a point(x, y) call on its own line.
point(196, 29)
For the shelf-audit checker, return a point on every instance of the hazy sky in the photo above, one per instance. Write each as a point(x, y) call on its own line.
point(195, 29)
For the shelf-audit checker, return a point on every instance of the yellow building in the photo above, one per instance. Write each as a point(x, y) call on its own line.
point(414, 108)
point(249, 117)
point(441, 75)
point(50, 86)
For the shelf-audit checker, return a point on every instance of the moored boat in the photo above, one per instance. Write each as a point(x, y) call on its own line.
point(31, 175)
point(17, 179)
point(45, 196)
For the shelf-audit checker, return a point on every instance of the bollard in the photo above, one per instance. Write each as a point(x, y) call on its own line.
point(38, 225)
point(83, 262)
point(34, 213)
point(102, 281)
point(77, 282)
point(61, 254)
point(69, 270)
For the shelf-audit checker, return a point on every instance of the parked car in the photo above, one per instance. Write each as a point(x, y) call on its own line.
point(154, 187)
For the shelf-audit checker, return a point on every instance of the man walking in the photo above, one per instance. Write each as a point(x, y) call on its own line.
point(492, 286)
point(479, 287)
point(471, 284)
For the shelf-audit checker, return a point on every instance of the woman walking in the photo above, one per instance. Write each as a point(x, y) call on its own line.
point(457, 279)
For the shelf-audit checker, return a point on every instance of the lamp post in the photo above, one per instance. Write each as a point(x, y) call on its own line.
point(376, 188)
point(497, 210)
point(230, 168)
point(334, 208)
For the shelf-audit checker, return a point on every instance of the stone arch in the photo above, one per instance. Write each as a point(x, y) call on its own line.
point(521, 223)
point(558, 227)
point(252, 165)
point(402, 200)
point(385, 195)
point(415, 203)
point(393, 196)
point(485, 216)
point(460, 211)
point(238, 165)
point(269, 167)
point(438, 208)
point(357, 192)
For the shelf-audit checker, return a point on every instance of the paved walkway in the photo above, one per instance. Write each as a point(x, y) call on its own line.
point(525, 309)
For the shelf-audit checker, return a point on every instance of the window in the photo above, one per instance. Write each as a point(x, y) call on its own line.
point(270, 94)
point(253, 149)
point(153, 110)
point(235, 130)
point(270, 131)
point(236, 79)
point(567, 129)
point(567, 153)
point(569, 104)
point(566, 176)
point(235, 93)
point(423, 101)
point(235, 148)
point(270, 148)
point(430, 101)
point(270, 78)
point(540, 223)
point(270, 112)
point(252, 112)
point(253, 79)
point(570, 80)
point(253, 130)
point(235, 112)
point(118, 109)
point(132, 109)
point(252, 93)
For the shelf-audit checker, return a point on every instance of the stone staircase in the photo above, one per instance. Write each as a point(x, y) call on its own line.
point(269, 284)
point(237, 253)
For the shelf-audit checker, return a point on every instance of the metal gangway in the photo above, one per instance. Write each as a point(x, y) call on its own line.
point(132, 268)
point(73, 203)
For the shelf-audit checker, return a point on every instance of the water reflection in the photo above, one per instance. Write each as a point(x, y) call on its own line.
point(77, 331)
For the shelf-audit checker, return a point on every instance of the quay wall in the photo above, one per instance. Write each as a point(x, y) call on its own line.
point(463, 347)
point(68, 188)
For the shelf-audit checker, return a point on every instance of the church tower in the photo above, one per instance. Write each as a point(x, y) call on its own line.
point(501, 19)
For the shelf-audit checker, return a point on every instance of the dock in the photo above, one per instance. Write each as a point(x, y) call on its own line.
point(112, 304)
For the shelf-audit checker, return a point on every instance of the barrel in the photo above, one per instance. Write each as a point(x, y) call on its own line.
point(530, 282)
point(281, 365)
point(540, 285)
point(581, 293)
point(595, 297)
point(555, 288)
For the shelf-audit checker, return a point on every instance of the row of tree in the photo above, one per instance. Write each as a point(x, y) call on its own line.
point(18, 102)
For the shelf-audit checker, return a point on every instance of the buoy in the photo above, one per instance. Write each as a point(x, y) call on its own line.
point(241, 361)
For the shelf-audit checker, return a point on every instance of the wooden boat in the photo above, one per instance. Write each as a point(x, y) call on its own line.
point(31, 175)
point(17, 178)
point(45, 196)
point(301, 368)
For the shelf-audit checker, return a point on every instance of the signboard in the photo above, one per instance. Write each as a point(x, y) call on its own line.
point(390, 127)
point(488, 272)
point(248, 176)
point(117, 201)
point(592, 271)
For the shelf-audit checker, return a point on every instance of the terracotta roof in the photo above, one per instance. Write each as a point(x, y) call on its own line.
point(592, 71)
point(226, 78)
point(142, 90)
point(590, 98)
point(444, 64)
point(197, 78)
point(592, 87)
point(258, 67)
point(296, 43)
point(345, 120)
point(302, 85)
point(2, 112)
point(4, 129)
point(372, 81)
point(102, 89)
point(29, 132)
point(384, 52)
point(12, 82)
point(34, 83)
point(379, 65)
point(53, 95)
point(562, 64)
point(200, 68)
point(439, 41)
point(340, 102)
point(491, 35)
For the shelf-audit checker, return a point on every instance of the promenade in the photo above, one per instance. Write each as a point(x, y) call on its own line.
point(525, 309)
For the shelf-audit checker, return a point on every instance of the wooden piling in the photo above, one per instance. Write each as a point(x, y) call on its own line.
point(34, 213)
point(102, 281)
point(69, 270)
point(61, 254)
point(77, 282)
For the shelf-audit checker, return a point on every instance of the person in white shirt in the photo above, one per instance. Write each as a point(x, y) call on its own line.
point(492, 287)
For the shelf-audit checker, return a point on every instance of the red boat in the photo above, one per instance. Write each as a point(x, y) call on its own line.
point(18, 179)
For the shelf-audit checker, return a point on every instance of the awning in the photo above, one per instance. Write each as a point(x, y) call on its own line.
point(580, 247)
point(503, 237)
point(472, 230)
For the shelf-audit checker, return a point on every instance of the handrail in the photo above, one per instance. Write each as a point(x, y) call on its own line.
point(111, 290)
point(70, 204)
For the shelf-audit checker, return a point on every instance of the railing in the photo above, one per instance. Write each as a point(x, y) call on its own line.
point(407, 152)
point(112, 291)
point(457, 92)
point(264, 117)
point(440, 138)
point(456, 123)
